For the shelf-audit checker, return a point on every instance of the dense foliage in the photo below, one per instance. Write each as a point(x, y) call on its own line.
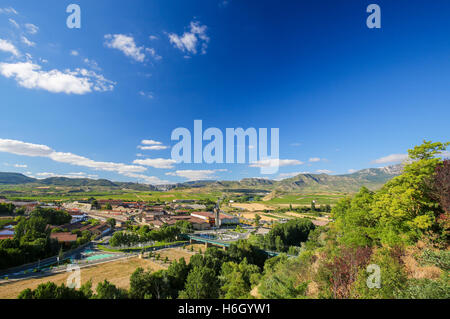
point(144, 234)
point(283, 236)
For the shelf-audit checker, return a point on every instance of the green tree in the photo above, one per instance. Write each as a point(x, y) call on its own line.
point(106, 290)
point(201, 283)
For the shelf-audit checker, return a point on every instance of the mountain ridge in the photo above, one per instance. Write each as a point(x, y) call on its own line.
point(370, 177)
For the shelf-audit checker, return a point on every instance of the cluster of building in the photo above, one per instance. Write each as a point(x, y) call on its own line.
point(156, 215)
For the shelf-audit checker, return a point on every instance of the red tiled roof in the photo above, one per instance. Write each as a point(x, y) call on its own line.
point(64, 237)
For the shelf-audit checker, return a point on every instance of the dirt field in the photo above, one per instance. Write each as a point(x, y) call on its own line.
point(117, 272)
point(293, 214)
point(175, 254)
point(252, 216)
point(252, 207)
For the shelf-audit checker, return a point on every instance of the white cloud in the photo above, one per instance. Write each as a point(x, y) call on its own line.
point(153, 147)
point(314, 159)
point(324, 171)
point(14, 23)
point(150, 142)
point(393, 158)
point(153, 53)
point(289, 175)
point(155, 162)
point(80, 81)
point(16, 165)
point(31, 28)
point(189, 41)
point(9, 10)
point(148, 95)
point(74, 53)
point(127, 45)
point(153, 37)
point(147, 179)
point(7, 46)
point(68, 175)
point(28, 42)
point(23, 148)
point(92, 64)
point(195, 175)
point(29, 149)
point(275, 163)
point(351, 170)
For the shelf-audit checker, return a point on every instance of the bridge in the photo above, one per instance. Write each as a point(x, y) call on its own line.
point(224, 244)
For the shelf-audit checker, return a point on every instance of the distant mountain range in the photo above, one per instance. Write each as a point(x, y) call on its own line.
point(372, 178)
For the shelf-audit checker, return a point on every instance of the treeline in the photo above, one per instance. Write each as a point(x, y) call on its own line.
point(32, 238)
point(398, 231)
point(284, 236)
point(215, 274)
point(135, 234)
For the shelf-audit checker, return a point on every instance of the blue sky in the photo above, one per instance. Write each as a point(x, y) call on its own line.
point(79, 102)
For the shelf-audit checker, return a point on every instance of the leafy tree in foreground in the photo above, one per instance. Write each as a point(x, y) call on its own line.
point(201, 283)
point(106, 290)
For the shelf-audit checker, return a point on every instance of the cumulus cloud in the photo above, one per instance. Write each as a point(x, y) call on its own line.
point(275, 163)
point(79, 81)
point(151, 145)
point(127, 46)
point(7, 46)
point(156, 162)
point(34, 150)
point(195, 175)
point(393, 158)
point(314, 159)
point(31, 28)
point(191, 40)
point(74, 53)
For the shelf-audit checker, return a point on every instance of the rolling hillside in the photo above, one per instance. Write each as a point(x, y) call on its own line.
point(372, 178)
